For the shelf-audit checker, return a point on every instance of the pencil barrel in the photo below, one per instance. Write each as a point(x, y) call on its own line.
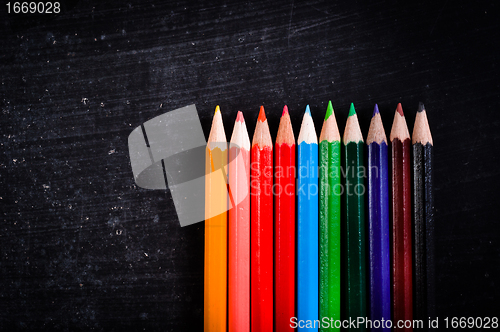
point(419, 244)
point(215, 291)
point(430, 239)
point(379, 233)
point(284, 252)
point(402, 232)
point(261, 267)
point(307, 237)
point(354, 233)
point(330, 237)
point(239, 241)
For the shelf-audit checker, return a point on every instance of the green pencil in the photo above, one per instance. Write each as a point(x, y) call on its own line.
point(329, 220)
point(354, 223)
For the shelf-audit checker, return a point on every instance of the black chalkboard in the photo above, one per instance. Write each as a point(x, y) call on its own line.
point(82, 247)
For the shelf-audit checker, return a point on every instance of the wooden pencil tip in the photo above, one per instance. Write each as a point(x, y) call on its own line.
point(217, 133)
point(285, 110)
point(307, 131)
point(240, 138)
point(285, 131)
point(421, 107)
point(399, 128)
point(329, 110)
point(330, 130)
point(261, 135)
point(376, 133)
point(375, 111)
point(421, 130)
point(352, 132)
point(399, 109)
point(351, 110)
point(239, 117)
point(262, 115)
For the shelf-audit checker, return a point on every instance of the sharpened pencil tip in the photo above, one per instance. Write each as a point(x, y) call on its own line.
point(239, 117)
point(375, 110)
point(262, 115)
point(217, 109)
point(329, 110)
point(399, 109)
point(351, 110)
point(421, 107)
point(308, 111)
point(285, 110)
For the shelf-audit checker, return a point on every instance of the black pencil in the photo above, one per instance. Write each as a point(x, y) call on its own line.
point(423, 209)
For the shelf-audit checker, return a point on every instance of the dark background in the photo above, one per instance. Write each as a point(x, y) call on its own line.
point(83, 248)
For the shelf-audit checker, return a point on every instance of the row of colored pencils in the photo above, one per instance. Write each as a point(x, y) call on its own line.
point(309, 267)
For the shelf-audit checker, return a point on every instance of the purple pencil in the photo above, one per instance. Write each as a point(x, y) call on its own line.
point(378, 222)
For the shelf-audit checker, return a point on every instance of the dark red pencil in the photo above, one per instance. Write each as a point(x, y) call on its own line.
point(401, 220)
point(261, 200)
point(284, 235)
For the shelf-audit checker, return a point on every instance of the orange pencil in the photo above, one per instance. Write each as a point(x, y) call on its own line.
point(216, 205)
point(239, 229)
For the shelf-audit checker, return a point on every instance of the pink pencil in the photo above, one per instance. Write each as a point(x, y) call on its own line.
point(239, 228)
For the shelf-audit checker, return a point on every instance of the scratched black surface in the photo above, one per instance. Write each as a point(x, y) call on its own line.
point(83, 248)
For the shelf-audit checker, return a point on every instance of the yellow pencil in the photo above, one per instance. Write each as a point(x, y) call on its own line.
point(216, 206)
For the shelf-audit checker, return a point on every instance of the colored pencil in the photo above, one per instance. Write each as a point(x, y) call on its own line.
point(329, 219)
point(239, 229)
point(378, 222)
point(423, 209)
point(354, 225)
point(284, 218)
point(261, 227)
point(307, 220)
point(216, 197)
point(401, 220)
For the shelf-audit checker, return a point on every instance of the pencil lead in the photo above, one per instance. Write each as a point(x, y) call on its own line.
point(217, 109)
point(399, 109)
point(351, 110)
point(239, 117)
point(329, 110)
point(421, 107)
point(285, 110)
point(262, 115)
point(308, 111)
point(375, 111)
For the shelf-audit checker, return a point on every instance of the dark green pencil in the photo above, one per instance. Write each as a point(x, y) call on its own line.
point(354, 221)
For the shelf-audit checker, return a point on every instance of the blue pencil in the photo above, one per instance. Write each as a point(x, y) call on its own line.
point(307, 233)
point(378, 222)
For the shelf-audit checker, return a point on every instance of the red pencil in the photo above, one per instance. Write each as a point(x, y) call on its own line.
point(284, 240)
point(239, 229)
point(261, 227)
point(401, 220)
